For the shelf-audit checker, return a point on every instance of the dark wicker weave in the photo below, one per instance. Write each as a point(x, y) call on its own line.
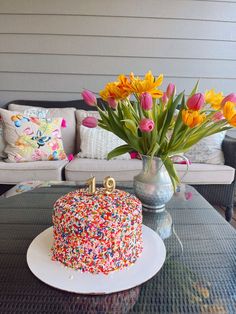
point(215, 194)
point(201, 279)
point(220, 194)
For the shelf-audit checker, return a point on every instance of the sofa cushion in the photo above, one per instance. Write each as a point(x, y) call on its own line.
point(12, 173)
point(80, 115)
point(31, 138)
point(208, 150)
point(206, 174)
point(96, 143)
point(82, 168)
point(33, 112)
point(68, 133)
point(121, 170)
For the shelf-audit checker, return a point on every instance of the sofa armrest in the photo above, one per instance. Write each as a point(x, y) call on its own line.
point(229, 150)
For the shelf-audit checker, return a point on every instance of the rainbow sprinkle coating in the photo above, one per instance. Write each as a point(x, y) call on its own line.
point(97, 233)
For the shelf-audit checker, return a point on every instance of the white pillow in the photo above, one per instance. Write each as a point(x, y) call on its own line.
point(96, 143)
point(80, 114)
point(208, 150)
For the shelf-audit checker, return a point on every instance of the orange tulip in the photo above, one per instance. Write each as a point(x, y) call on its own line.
point(229, 112)
point(192, 118)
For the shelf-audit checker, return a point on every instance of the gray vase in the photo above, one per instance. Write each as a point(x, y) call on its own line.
point(153, 185)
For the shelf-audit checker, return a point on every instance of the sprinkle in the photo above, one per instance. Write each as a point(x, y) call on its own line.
point(97, 233)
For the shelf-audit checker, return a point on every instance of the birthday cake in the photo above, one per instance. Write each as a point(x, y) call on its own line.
point(97, 233)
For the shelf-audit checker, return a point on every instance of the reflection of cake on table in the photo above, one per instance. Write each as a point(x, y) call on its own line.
point(97, 233)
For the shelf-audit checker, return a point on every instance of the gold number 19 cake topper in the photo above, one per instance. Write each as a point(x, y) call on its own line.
point(109, 184)
point(91, 185)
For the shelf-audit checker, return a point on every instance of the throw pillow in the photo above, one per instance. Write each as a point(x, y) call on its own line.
point(80, 115)
point(31, 138)
point(97, 143)
point(68, 133)
point(208, 150)
point(33, 112)
point(41, 113)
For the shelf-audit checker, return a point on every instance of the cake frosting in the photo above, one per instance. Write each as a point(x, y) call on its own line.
point(97, 233)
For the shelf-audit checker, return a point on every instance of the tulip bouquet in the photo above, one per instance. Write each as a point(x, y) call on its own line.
point(156, 123)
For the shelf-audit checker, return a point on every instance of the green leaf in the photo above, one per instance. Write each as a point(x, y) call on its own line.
point(103, 116)
point(169, 116)
point(153, 150)
point(131, 125)
point(119, 151)
point(171, 170)
point(194, 89)
point(179, 125)
point(116, 125)
point(105, 127)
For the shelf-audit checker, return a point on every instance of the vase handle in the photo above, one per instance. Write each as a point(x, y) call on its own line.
point(187, 163)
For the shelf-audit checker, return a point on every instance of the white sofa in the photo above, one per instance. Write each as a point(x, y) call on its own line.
point(80, 169)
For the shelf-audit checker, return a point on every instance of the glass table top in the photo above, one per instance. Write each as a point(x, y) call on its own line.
point(198, 275)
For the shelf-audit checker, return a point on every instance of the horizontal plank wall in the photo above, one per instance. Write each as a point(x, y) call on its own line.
point(52, 49)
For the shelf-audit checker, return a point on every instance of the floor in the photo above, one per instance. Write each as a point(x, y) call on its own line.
point(222, 212)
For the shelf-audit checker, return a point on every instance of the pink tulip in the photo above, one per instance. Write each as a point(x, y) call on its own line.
point(231, 97)
point(70, 157)
point(89, 98)
point(164, 99)
point(134, 155)
point(196, 102)
point(63, 123)
point(218, 116)
point(183, 162)
point(188, 196)
point(90, 122)
point(146, 125)
point(112, 102)
point(170, 91)
point(146, 101)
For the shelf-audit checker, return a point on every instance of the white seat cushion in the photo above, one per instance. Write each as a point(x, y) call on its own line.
point(12, 173)
point(121, 170)
point(206, 174)
point(80, 169)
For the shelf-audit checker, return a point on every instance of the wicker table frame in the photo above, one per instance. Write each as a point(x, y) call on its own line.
point(201, 278)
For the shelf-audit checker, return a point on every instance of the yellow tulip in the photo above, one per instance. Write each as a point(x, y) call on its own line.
point(125, 86)
point(229, 112)
point(192, 118)
point(149, 84)
point(114, 90)
point(214, 99)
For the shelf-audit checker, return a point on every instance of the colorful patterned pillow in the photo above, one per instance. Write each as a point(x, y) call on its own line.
point(33, 112)
point(68, 133)
point(31, 138)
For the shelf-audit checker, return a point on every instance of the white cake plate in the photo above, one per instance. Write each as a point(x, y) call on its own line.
point(58, 276)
